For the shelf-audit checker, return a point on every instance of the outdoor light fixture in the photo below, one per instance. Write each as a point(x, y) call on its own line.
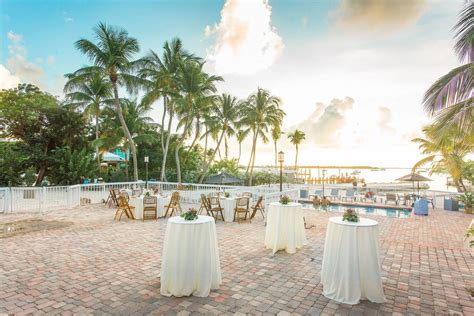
point(147, 160)
point(281, 159)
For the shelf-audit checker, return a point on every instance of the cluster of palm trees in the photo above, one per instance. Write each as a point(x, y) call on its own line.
point(450, 101)
point(192, 108)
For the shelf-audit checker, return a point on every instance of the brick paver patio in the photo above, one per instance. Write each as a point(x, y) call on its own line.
point(96, 265)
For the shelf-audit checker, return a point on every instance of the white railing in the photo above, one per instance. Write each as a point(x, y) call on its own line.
point(41, 199)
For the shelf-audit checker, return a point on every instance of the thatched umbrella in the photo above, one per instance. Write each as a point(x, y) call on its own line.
point(223, 178)
point(414, 177)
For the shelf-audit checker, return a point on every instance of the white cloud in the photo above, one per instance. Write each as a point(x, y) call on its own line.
point(7, 80)
point(50, 60)
point(384, 122)
point(246, 41)
point(67, 18)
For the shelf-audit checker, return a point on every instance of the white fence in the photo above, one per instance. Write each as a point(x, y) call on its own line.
point(40, 199)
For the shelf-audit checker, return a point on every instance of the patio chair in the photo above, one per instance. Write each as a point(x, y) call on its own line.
point(112, 199)
point(350, 194)
point(150, 207)
point(247, 194)
point(124, 194)
point(174, 204)
point(258, 207)
point(204, 205)
point(406, 199)
point(221, 195)
point(214, 207)
point(241, 207)
point(391, 197)
point(334, 194)
point(123, 207)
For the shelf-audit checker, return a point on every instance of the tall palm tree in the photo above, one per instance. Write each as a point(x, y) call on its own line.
point(112, 57)
point(161, 76)
point(296, 138)
point(90, 93)
point(445, 150)
point(139, 124)
point(276, 135)
point(260, 112)
point(226, 113)
point(196, 88)
point(451, 98)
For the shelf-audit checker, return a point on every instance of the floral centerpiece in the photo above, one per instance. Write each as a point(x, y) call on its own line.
point(190, 215)
point(147, 193)
point(285, 199)
point(350, 215)
point(227, 194)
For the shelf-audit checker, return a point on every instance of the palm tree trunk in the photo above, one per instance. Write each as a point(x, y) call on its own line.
point(205, 150)
point(178, 165)
point(97, 137)
point(251, 153)
point(165, 153)
point(126, 131)
point(240, 152)
point(276, 155)
point(296, 159)
point(253, 161)
point(198, 127)
point(226, 147)
point(165, 103)
point(206, 168)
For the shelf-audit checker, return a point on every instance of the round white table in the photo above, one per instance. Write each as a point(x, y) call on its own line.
point(351, 268)
point(228, 205)
point(285, 227)
point(190, 263)
point(137, 202)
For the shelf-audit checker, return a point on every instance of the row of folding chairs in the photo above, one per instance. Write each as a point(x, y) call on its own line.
point(242, 209)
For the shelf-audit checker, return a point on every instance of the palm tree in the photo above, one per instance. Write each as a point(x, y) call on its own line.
point(161, 76)
point(276, 135)
point(196, 88)
point(241, 135)
point(112, 57)
point(260, 112)
point(226, 113)
point(296, 138)
point(445, 150)
point(90, 93)
point(451, 98)
point(139, 124)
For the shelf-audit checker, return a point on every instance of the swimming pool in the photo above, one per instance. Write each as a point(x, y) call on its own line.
point(388, 212)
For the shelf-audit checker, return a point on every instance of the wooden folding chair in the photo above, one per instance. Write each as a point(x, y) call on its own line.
point(241, 206)
point(204, 205)
point(150, 207)
point(214, 207)
point(174, 204)
point(258, 207)
point(124, 207)
point(247, 194)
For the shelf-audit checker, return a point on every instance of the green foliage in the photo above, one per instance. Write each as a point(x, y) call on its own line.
point(350, 215)
point(13, 162)
point(225, 165)
point(469, 234)
point(72, 166)
point(265, 177)
point(41, 125)
point(191, 215)
point(468, 199)
point(285, 199)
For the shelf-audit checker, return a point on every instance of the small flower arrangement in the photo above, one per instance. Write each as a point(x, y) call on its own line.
point(350, 215)
point(191, 215)
point(227, 194)
point(285, 199)
point(147, 193)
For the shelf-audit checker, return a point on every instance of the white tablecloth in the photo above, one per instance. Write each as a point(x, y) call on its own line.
point(137, 202)
point(351, 265)
point(285, 227)
point(190, 263)
point(228, 205)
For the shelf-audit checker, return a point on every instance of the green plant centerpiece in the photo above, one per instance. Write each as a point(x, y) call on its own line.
point(190, 215)
point(350, 215)
point(468, 200)
point(227, 194)
point(147, 193)
point(285, 200)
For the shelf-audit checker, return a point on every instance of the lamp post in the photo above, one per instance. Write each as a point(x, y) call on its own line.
point(281, 159)
point(147, 159)
point(324, 173)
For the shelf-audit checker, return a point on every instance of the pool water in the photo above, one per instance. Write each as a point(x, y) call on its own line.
point(388, 212)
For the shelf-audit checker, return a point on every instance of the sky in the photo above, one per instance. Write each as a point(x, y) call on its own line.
point(351, 73)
